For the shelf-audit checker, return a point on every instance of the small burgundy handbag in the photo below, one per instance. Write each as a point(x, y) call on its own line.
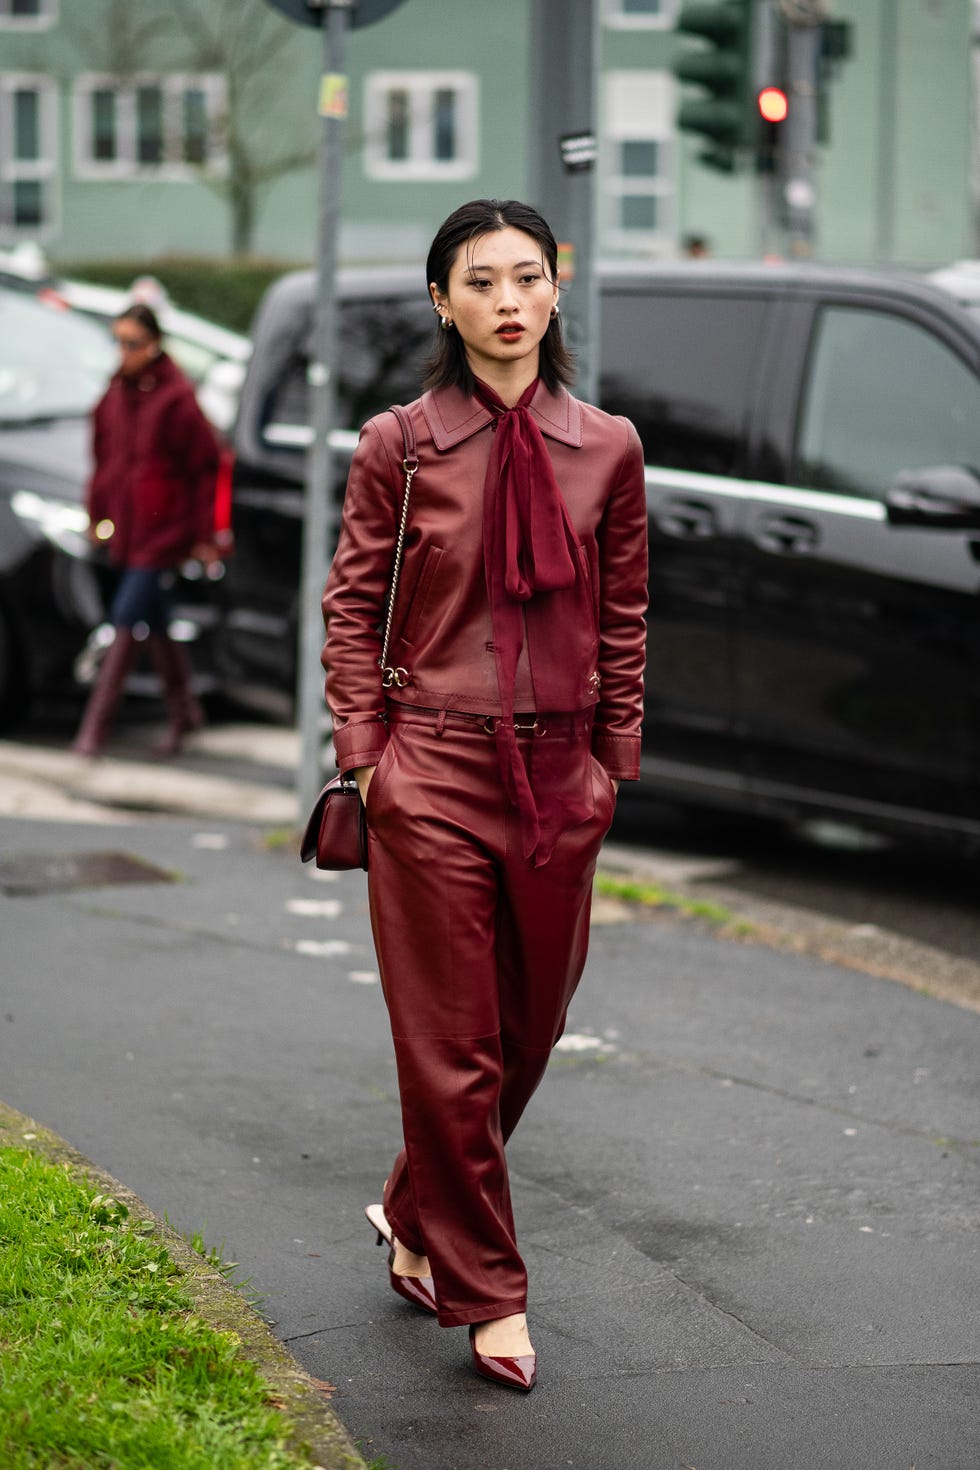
point(336, 832)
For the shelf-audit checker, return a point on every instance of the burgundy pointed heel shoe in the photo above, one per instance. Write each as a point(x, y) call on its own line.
point(419, 1290)
point(521, 1373)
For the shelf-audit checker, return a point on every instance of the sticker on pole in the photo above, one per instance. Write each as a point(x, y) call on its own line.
point(333, 95)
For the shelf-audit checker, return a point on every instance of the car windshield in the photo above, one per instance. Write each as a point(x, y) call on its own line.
point(52, 363)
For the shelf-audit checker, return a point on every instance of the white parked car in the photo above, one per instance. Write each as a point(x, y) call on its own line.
point(213, 357)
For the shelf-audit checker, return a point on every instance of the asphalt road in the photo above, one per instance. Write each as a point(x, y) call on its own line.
point(747, 1190)
point(913, 916)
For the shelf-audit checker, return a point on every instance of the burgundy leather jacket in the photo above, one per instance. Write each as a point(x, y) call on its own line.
point(583, 646)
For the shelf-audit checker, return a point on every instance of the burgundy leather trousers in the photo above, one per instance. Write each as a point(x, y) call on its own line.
point(480, 953)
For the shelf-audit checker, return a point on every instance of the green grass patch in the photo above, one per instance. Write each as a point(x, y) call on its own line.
point(103, 1364)
point(653, 895)
point(275, 839)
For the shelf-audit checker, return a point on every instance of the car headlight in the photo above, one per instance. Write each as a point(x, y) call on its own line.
point(62, 522)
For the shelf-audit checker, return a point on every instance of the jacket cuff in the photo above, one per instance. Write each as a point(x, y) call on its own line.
point(620, 754)
point(362, 744)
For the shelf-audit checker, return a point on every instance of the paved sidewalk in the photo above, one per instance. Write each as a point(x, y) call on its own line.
point(747, 1190)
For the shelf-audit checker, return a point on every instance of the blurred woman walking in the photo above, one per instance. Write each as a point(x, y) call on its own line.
point(150, 502)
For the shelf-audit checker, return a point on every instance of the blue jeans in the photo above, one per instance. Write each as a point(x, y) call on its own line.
point(143, 596)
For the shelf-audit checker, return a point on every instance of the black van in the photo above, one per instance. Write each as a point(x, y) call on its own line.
point(812, 441)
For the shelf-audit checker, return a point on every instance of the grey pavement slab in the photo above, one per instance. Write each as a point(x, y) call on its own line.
point(747, 1193)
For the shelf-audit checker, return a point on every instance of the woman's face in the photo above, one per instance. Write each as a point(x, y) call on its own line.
point(137, 347)
point(499, 299)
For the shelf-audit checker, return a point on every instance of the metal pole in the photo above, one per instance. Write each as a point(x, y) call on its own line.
point(321, 517)
point(564, 59)
point(887, 127)
point(765, 73)
point(802, 60)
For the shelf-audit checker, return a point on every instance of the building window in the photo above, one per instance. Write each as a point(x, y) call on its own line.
point(639, 190)
point(195, 123)
point(28, 155)
point(397, 137)
point(641, 14)
point(33, 15)
point(150, 126)
point(420, 125)
point(104, 126)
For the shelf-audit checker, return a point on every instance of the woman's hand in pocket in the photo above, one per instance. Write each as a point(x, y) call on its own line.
point(362, 775)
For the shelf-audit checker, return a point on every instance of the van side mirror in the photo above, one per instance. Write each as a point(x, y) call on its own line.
point(944, 497)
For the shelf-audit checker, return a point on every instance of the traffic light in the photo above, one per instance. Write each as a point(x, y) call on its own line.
point(723, 69)
point(773, 109)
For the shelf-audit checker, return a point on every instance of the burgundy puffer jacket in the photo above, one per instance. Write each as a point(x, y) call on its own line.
point(156, 458)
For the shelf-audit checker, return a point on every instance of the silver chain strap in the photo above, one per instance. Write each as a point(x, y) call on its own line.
point(397, 677)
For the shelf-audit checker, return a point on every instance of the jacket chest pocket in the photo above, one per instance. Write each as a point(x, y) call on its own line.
point(421, 595)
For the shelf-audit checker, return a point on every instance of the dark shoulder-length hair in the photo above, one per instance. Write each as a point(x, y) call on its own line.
point(447, 365)
point(144, 316)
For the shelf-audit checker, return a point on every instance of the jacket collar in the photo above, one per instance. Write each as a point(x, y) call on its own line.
point(453, 416)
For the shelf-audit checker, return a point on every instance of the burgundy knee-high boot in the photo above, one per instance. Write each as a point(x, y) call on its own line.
point(106, 693)
point(172, 664)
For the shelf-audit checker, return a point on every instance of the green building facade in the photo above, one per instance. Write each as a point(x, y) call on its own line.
point(132, 128)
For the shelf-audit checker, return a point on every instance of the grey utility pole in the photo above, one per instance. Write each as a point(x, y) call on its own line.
point(766, 71)
point(804, 20)
point(321, 516)
point(564, 58)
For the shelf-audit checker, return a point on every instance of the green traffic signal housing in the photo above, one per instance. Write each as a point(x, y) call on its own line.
point(723, 68)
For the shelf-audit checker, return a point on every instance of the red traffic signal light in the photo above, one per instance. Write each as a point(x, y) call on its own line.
point(773, 105)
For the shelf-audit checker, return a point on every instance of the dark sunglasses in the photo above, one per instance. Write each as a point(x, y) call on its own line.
point(131, 344)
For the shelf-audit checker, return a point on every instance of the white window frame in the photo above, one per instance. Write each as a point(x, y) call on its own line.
point(43, 169)
point(421, 162)
point(617, 19)
point(639, 107)
point(42, 22)
point(126, 166)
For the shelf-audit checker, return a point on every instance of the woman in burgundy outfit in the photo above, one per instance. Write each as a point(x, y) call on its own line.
point(489, 769)
point(151, 502)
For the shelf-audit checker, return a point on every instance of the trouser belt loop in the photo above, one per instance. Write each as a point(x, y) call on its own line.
point(441, 720)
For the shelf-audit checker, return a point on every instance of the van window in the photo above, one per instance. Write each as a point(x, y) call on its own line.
point(681, 367)
point(882, 394)
point(383, 344)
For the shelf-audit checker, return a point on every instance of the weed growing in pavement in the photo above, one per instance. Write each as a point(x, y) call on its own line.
point(215, 1257)
point(102, 1360)
point(277, 838)
point(213, 1254)
point(652, 895)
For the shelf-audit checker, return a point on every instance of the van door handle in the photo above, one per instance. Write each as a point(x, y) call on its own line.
point(787, 535)
point(692, 519)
